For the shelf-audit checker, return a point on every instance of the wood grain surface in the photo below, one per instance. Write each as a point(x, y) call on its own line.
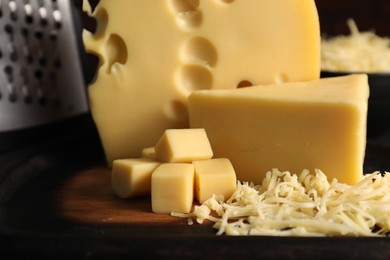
point(56, 202)
point(87, 197)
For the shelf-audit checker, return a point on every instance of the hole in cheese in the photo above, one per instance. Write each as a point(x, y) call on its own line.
point(194, 77)
point(102, 22)
point(188, 15)
point(227, 1)
point(281, 78)
point(190, 19)
point(184, 5)
point(244, 84)
point(200, 49)
point(116, 51)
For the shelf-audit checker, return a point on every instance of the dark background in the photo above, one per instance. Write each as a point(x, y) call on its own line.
point(368, 15)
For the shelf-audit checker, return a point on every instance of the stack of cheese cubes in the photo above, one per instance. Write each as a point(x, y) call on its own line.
point(177, 168)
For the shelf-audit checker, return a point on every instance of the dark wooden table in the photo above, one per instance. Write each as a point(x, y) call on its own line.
point(368, 15)
point(56, 201)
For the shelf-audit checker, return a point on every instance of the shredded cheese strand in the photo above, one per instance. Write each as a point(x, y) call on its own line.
point(306, 205)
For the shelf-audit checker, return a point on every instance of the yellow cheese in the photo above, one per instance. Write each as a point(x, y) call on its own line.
point(132, 177)
point(149, 152)
point(183, 145)
point(153, 54)
point(173, 188)
point(293, 126)
point(214, 177)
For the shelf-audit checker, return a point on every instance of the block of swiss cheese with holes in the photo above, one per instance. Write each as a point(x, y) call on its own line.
point(153, 54)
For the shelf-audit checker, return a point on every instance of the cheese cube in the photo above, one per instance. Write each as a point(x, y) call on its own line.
point(154, 53)
point(149, 152)
point(292, 126)
point(132, 177)
point(173, 188)
point(183, 145)
point(215, 176)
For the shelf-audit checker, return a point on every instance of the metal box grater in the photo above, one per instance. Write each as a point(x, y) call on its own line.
point(41, 72)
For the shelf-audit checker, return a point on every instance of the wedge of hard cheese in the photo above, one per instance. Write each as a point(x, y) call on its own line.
point(154, 53)
point(294, 126)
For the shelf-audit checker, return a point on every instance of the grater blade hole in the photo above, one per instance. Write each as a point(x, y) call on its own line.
point(8, 70)
point(38, 34)
point(53, 76)
point(44, 22)
point(42, 100)
point(27, 55)
point(13, 54)
point(27, 98)
point(42, 61)
point(57, 102)
point(57, 16)
point(43, 15)
point(57, 63)
point(11, 93)
point(28, 10)
point(24, 32)
point(29, 19)
point(53, 36)
point(38, 74)
point(24, 73)
point(13, 10)
point(9, 31)
point(12, 97)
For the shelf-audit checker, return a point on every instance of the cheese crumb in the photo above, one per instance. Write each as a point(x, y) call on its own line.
point(308, 204)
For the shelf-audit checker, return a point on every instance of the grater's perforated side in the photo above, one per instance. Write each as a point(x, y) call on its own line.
point(41, 75)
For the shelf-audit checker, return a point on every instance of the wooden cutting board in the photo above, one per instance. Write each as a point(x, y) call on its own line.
point(56, 200)
point(87, 197)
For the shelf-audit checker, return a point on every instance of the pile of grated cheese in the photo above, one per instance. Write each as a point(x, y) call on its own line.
point(357, 52)
point(308, 204)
